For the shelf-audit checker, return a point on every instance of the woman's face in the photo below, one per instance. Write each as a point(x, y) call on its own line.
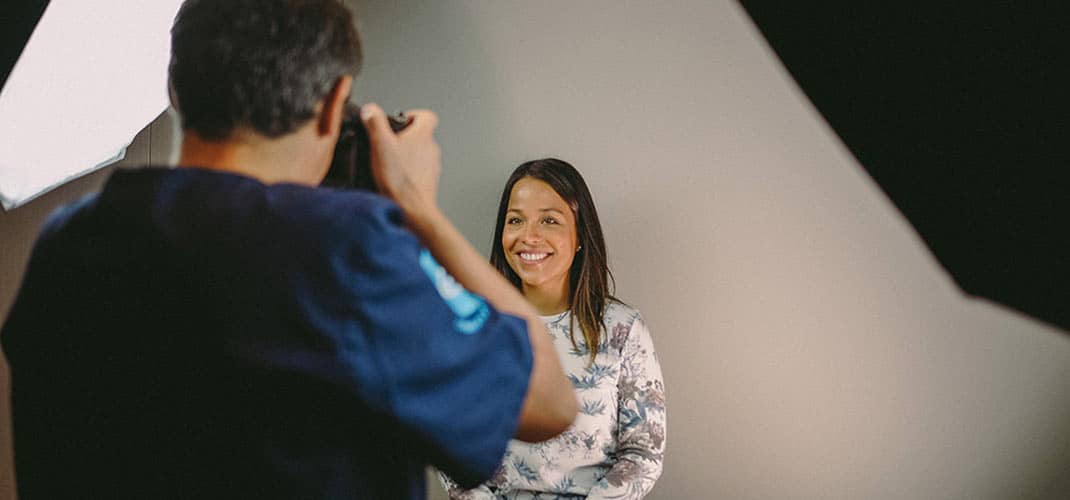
point(539, 236)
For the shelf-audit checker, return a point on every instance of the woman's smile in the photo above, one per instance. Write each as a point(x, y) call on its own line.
point(533, 257)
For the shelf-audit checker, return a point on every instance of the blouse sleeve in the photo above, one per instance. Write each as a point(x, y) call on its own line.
point(640, 420)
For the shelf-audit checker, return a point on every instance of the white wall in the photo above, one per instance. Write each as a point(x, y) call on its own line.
point(812, 347)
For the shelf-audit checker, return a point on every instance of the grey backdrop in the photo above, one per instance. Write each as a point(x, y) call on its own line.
point(811, 346)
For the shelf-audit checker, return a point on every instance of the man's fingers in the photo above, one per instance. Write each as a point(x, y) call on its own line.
point(375, 122)
point(422, 121)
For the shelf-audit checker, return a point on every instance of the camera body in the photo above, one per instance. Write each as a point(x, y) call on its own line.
point(351, 164)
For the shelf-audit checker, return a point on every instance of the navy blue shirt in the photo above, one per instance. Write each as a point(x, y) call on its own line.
point(189, 333)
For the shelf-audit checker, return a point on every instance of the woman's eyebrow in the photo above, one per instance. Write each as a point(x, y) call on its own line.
point(550, 209)
point(541, 210)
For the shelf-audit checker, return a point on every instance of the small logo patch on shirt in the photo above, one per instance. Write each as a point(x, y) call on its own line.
point(470, 309)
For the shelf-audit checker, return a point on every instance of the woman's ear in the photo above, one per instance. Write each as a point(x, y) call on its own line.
point(330, 118)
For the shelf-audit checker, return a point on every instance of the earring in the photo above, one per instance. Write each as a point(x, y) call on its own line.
point(578, 248)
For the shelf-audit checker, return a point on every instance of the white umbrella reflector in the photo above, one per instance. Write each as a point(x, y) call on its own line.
point(92, 75)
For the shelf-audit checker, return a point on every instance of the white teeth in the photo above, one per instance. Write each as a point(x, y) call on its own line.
point(533, 256)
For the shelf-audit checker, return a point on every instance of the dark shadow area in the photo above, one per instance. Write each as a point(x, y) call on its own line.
point(958, 113)
point(19, 18)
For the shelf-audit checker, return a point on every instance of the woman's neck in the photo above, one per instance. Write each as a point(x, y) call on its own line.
point(548, 299)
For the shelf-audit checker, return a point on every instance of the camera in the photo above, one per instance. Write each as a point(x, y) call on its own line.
point(351, 164)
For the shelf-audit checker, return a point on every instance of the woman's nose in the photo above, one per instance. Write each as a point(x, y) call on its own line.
point(531, 234)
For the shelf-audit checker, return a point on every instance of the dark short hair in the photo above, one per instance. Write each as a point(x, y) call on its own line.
point(258, 64)
point(590, 280)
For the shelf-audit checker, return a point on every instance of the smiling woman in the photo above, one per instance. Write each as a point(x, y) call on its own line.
point(547, 208)
point(549, 244)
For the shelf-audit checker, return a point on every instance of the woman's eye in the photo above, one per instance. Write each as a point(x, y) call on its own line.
point(550, 220)
point(512, 220)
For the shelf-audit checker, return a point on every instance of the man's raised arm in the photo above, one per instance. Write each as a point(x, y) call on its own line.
point(406, 166)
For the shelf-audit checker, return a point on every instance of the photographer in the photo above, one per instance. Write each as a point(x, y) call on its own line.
point(227, 329)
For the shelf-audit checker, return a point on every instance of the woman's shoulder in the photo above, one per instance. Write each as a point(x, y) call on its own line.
point(619, 315)
point(616, 308)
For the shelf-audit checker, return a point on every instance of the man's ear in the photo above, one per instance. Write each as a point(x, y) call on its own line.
point(172, 95)
point(330, 120)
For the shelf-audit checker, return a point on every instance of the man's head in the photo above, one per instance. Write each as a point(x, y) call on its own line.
point(262, 66)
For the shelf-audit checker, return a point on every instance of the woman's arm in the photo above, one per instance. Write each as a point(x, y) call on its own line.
point(640, 420)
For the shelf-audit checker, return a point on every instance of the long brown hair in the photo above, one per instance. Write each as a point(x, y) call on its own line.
point(589, 277)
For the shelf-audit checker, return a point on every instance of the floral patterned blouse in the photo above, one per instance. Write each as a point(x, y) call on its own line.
point(615, 447)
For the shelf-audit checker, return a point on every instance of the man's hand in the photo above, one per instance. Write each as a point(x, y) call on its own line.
point(406, 165)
